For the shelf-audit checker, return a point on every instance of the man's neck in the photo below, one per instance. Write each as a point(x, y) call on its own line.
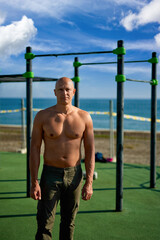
point(64, 109)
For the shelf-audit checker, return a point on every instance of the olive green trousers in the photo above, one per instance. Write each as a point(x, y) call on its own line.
point(64, 185)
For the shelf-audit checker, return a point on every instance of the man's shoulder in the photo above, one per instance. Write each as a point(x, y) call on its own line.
point(80, 111)
point(44, 112)
point(83, 114)
point(47, 110)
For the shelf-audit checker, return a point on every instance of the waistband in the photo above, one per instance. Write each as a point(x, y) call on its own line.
point(52, 168)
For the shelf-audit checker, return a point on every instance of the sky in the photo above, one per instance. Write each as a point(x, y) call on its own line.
point(63, 26)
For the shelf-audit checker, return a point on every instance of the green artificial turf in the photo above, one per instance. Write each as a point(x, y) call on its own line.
point(97, 218)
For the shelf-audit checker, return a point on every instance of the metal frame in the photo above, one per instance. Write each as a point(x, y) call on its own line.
point(120, 111)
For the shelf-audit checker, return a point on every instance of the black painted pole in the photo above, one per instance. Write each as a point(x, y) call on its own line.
point(153, 125)
point(23, 125)
point(76, 84)
point(120, 133)
point(29, 115)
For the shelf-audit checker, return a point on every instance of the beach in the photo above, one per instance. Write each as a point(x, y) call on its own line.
point(136, 144)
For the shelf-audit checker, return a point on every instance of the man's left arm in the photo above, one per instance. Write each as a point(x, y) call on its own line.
point(89, 148)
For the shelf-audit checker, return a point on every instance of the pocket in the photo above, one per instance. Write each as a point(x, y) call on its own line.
point(78, 178)
point(49, 184)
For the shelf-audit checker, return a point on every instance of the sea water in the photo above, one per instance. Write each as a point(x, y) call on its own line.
point(134, 107)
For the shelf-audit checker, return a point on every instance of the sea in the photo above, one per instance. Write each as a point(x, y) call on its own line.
point(133, 107)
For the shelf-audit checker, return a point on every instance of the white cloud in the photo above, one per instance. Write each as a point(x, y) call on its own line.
point(56, 8)
point(148, 14)
point(157, 39)
point(129, 21)
point(15, 37)
point(133, 3)
point(61, 8)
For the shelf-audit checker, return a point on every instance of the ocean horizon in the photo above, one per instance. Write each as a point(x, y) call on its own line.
point(133, 107)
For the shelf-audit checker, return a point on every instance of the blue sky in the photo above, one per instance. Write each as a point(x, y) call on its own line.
point(62, 26)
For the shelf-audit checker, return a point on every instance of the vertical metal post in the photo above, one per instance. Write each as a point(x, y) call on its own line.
point(120, 133)
point(153, 126)
point(23, 124)
point(111, 129)
point(76, 84)
point(29, 115)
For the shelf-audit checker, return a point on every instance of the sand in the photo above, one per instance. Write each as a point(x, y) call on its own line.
point(136, 144)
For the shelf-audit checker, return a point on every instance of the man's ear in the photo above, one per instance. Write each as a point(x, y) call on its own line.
point(74, 90)
point(54, 92)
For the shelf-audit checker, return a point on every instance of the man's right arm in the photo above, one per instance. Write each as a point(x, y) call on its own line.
point(36, 142)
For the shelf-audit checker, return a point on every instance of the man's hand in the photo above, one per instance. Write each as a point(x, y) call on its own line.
point(87, 191)
point(35, 191)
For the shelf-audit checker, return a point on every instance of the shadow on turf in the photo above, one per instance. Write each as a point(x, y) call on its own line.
point(129, 188)
point(18, 215)
point(13, 180)
point(10, 193)
point(5, 198)
point(58, 213)
point(142, 186)
point(126, 166)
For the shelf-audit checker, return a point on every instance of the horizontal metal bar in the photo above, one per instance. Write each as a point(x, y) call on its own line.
point(99, 63)
point(68, 54)
point(135, 61)
point(41, 79)
point(19, 78)
point(11, 75)
point(133, 80)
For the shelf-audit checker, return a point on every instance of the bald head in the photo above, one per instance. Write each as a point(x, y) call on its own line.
point(64, 90)
point(64, 80)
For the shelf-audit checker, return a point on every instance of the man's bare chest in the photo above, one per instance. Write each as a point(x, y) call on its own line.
point(64, 126)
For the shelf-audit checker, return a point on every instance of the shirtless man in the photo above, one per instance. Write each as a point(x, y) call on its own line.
point(62, 127)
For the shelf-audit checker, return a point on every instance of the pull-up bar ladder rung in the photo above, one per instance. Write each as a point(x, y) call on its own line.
point(101, 63)
point(134, 80)
point(69, 54)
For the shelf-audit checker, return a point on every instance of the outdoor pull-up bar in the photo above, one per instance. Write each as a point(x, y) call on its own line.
point(120, 108)
point(29, 56)
point(120, 78)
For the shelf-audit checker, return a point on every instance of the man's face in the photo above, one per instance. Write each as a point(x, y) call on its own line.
point(64, 91)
